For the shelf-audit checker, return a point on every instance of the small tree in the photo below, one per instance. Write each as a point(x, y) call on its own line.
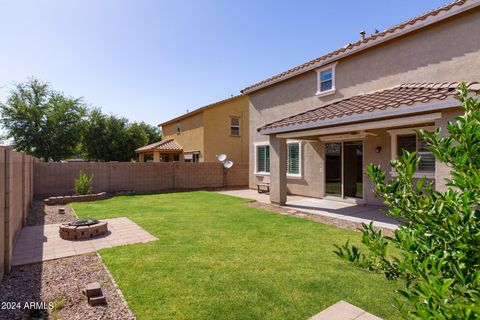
point(439, 244)
point(83, 184)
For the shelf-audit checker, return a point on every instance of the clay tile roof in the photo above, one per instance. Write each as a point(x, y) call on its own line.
point(167, 146)
point(330, 57)
point(405, 94)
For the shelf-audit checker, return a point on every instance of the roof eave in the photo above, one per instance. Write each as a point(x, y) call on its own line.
point(408, 29)
point(394, 112)
point(199, 110)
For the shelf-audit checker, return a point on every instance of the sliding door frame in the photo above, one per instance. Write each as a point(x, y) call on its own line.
point(342, 197)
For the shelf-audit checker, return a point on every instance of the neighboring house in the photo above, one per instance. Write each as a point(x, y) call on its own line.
point(202, 134)
point(313, 128)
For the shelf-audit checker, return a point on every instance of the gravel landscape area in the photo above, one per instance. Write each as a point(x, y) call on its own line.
point(41, 214)
point(61, 282)
point(58, 283)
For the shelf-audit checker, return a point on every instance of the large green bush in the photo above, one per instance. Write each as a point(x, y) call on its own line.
point(438, 247)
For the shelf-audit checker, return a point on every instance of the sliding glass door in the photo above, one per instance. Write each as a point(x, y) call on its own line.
point(333, 166)
point(344, 169)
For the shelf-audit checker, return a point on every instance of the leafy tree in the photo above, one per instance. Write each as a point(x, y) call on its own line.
point(154, 133)
point(110, 138)
point(437, 246)
point(42, 122)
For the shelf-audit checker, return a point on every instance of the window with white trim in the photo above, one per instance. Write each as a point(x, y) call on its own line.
point(235, 126)
point(326, 80)
point(293, 158)
point(408, 139)
point(263, 159)
point(413, 143)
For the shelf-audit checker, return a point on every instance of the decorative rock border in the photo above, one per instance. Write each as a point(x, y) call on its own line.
point(83, 198)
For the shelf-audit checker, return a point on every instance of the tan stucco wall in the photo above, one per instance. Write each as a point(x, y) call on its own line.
point(191, 133)
point(310, 183)
point(217, 131)
point(209, 131)
point(370, 143)
point(446, 52)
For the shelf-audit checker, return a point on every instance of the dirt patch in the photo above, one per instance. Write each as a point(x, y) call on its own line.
point(60, 283)
point(41, 214)
point(341, 223)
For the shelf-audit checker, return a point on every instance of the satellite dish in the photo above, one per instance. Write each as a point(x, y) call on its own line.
point(228, 164)
point(221, 157)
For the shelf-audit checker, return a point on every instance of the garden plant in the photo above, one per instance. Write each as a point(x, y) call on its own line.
point(83, 184)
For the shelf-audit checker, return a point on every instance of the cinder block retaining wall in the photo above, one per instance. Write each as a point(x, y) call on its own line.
point(16, 191)
point(56, 179)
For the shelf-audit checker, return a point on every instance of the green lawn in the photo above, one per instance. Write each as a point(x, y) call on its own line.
point(218, 259)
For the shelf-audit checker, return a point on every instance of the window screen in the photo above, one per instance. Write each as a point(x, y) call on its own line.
point(407, 142)
point(326, 80)
point(235, 126)
point(263, 159)
point(293, 158)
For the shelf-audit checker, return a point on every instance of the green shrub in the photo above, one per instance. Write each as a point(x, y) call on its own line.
point(83, 184)
point(439, 245)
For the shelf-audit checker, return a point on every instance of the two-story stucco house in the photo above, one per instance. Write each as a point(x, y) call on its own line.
point(202, 134)
point(313, 128)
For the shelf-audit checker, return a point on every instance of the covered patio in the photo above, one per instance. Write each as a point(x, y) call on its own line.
point(341, 138)
point(328, 208)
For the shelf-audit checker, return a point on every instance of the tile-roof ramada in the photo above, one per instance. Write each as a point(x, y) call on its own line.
point(165, 146)
point(402, 95)
point(373, 39)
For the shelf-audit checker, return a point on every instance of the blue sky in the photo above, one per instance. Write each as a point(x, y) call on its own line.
point(152, 60)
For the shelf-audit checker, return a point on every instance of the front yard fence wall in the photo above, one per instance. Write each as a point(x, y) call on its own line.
point(16, 191)
point(57, 179)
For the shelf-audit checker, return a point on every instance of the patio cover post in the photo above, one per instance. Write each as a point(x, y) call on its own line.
point(156, 156)
point(141, 157)
point(278, 170)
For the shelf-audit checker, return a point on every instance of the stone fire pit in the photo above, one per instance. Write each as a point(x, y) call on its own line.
point(82, 229)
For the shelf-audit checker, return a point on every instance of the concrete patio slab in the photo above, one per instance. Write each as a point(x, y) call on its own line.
point(342, 210)
point(41, 243)
point(329, 208)
point(344, 311)
point(254, 195)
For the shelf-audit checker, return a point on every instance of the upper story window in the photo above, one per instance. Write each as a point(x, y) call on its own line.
point(178, 127)
point(235, 126)
point(326, 80)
